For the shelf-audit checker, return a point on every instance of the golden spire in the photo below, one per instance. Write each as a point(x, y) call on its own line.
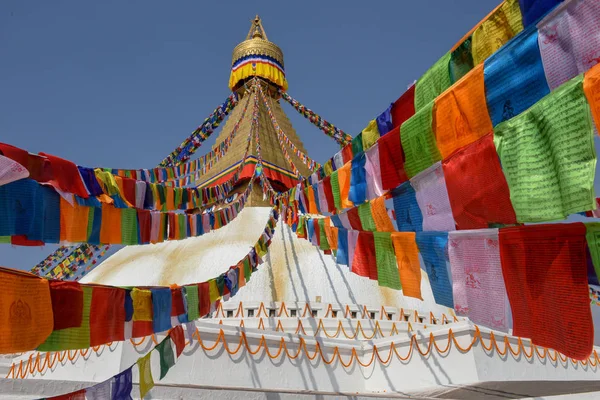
point(257, 56)
point(256, 30)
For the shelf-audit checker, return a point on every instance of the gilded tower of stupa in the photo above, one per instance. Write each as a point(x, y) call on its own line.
point(257, 57)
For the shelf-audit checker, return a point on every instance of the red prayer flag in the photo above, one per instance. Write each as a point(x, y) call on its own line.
point(107, 315)
point(66, 175)
point(177, 305)
point(129, 190)
point(364, 262)
point(391, 160)
point(347, 153)
point(67, 304)
point(145, 225)
point(545, 274)
point(329, 194)
point(21, 240)
point(178, 338)
point(404, 107)
point(354, 219)
point(204, 298)
point(78, 395)
point(317, 230)
point(141, 329)
point(477, 188)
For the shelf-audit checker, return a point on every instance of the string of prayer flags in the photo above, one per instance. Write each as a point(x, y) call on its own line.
point(569, 40)
point(432, 197)
point(408, 214)
point(433, 83)
point(548, 156)
point(502, 25)
point(26, 317)
point(461, 115)
point(542, 266)
point(477, 189)
point(418, 141)
point(433, 249)
point(407, 260)
point(532, 10)
point(477, 283)
point(514, 77)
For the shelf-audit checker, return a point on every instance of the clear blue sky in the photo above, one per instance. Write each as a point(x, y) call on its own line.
point(120, 84)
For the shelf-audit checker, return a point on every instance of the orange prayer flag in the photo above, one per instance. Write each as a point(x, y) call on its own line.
point(110, 230)
point(409, 267)
point(331, 234)
point(73, 222)
point(383, 223)
point(312, 205)
point(241, 276)
point(170, 198)
point(26, 318)
point(344, 174)
point(461, 114)
point(591, 87)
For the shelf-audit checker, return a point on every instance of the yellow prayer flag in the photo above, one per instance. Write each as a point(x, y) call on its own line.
point(370, 135)
point(142, 304)
point(499, 28)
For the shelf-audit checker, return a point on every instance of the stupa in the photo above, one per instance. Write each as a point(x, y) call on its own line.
point(305, 328)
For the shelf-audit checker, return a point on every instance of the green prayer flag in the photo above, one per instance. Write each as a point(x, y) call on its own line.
point(4, 239)
point(247, 269)
point(192, 301)
point(387, 267)
point(300, 230)
point(418, 141)
point(548, 157)
point(177, 197)
point(72, 338)
point(366, 218)
point(182, 226)
point(323, 242)
point(167, 358)
point(146, 380)
point(593, 240)
point(335, 190)
point(357, 144)
point(129, 226)
point(90, 224)
point(433, 83)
